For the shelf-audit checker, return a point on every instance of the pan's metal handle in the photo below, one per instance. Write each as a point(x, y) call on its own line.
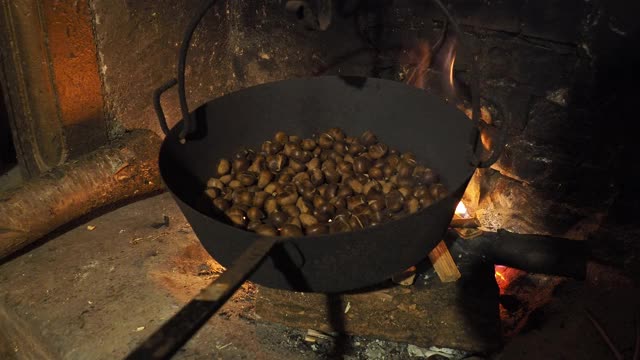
point(188, 123)
point(157, 106)
point(497, 134)
point(475, 106)
point(498, 142)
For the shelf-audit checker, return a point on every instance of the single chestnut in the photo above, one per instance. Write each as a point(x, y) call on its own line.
point(276, 162)
point(289, 230)
point(405, 169)
point(356, 149)
point(290, 148)
point(240, 165)
point(340, 224)
point(325, 141)
point(284, 178)
point(273, 188)
point(340, 148)
point(368, 138)
point(291, 210)
point(355, 185)
point(278, 218)
point(295, 221)
point(264, 178)
point(221, 204)
point(259, 198)
point(266, 230)
point(215, 183)
point(243, 197)
point(394, 201)
point(318, 201)
point(377, 151)
point(354, 201)
point(237, 216)
point(406, 181)
point(393, 160)
point(344, 190)
point(304, 206)
point(235, 184)
point(308, 144)
point(331, 191)
point(255, 214)
point(412, 205)
point(376, 201)
point(296, 166)
point(332, 176)
point(301, 155)
point(361, 165)
point(376, 173)
point(281, 137)
point(405, 191)
point(224, 166)
point(316, 229)
point(308, 220)
point(271, 148)
point(371, 185)
point(314, 164)
point(427, 176)
point(339, 202)
point(212, 193)
point(271, 205)
point(246, 178)
point(336, 133)
point(287, 198)
point(317, 176)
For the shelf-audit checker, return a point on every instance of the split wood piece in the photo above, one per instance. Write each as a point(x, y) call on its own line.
point(460, 223)
point(440, 256)
point(125, 168)
point(443, 263)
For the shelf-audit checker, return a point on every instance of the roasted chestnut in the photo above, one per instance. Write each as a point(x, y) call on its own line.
point(330, 184)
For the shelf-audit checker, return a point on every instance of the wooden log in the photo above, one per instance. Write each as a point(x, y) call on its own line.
point(443, 263)
point(460, 223)
point(125, 168)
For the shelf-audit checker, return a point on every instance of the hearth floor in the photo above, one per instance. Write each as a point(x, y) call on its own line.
point(98, 289)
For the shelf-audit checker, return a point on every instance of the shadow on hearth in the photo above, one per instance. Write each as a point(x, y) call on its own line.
point(77, 222)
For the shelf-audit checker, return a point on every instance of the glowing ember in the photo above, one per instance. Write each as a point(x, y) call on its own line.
point(461, 211)
point(505, 276)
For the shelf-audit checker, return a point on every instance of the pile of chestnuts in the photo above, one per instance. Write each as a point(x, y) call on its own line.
point(329, 183)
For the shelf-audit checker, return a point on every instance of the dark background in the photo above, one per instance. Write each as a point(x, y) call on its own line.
point(7, 151)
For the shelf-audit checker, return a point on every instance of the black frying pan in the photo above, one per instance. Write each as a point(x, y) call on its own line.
point(404, 117)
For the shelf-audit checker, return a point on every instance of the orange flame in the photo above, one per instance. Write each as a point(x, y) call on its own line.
point(417, 60)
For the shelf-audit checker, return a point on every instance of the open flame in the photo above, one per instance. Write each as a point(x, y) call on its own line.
point(417, 60)
point(461, 211)
point(421, 61)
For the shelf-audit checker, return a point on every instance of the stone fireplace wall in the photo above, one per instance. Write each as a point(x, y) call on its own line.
point(537, 62)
